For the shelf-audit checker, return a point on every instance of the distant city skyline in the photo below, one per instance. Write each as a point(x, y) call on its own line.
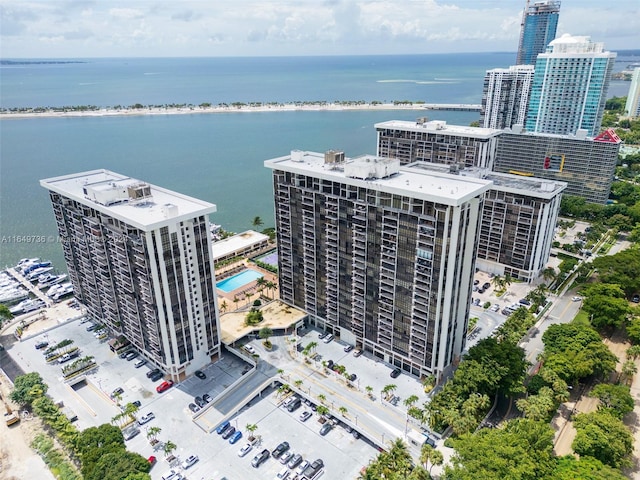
point(118, 28)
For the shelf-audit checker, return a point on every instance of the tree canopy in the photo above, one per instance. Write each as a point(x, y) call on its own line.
point(604, 437)
point(520, 451)
point(606, 305)
point(623, 269)
point(616, 399)
point(120, 464)
point(587, 468)
point(575, 351)
point(27, 388)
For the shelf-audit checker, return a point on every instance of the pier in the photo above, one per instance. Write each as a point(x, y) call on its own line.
point(460, 107)
point(29, 286)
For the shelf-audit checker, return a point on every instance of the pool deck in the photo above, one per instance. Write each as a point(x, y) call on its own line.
point(250, 289)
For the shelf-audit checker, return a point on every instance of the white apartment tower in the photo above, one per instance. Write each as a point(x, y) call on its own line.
point(139, 257)
point(380, 255)
point(570, 87)
point(505, 96)
point(632, 107)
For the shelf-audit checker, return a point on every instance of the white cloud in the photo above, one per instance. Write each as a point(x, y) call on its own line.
point(291, 27)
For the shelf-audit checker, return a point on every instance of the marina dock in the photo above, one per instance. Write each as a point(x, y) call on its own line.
point(29, 286)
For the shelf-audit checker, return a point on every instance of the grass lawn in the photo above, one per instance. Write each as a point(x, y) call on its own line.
point(582, 318)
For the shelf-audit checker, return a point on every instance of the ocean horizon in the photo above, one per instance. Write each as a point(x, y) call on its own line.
point(218, 158)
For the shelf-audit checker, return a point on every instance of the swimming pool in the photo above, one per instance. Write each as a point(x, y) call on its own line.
point(239, 280)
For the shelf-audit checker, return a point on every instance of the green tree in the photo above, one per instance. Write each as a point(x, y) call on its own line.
point(633, 330)
point(257, 222)
point(27, 388)
point(522, 450)
point(168, 447)
point(606, 305)
point(119, 465)
point(616, 399)
point(95, 442)
point(265, 333)
point(633, 352)
point(622, 269)
point(587, 468)
point(602, 436)
point(538, 407)
point(5, 314)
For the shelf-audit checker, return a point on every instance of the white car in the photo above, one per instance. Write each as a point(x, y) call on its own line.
point(250, 349)
point(302, 467)
point(190, 461)
point(244, 450)
point(576, 299)
point(146, 418)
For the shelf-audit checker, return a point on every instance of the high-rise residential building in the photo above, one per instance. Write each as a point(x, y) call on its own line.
point(378, 254)
point(139, 257)
point(437, 142)
point(570, 87)
point(519, 216)
point(632, 107)
point(538, 29)
point(587, 164)
point(505, 96)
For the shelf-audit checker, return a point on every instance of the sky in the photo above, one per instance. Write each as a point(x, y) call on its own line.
point(212, 28)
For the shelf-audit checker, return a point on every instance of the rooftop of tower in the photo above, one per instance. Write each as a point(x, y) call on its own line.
point(439, 126)
point(135, 202)
point(407, 180)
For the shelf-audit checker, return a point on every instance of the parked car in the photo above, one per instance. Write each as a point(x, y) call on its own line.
point(172, 475)
point(486, 285)
point(576, 299)
point(313, 469)
point(328, 338)
point(524, 301)
point(150, 373)
point(146, 418)
point(353, 377)
point(280, 449)
point(348, 348)
point(395, 373)
point(286, 456)
point(200, 374)
point(194, 408)
point(304, 416)
point(294, 461)
point(250, 349)
point(326, 428)
point(137, 403)
point(117, 391)
point(206, 398)
point(282, 474)
point(355, 434)
point(322, 335)
point(222, 427)
point(140, 363)
point(293, 406)
point(357, 352)
point(131, 355)
point(129, 433)
point(41, 345)
point(260, 458)
point(190, 461)
point(200, 402)
point(156, 376)
point(494, 308)
point(230, 431)
point(302, 467)
point(636, 299)
point(124, 354)
point(247, 447)
point(235, 437)
point(152, 460)
point(476, 282)
point(164, 386)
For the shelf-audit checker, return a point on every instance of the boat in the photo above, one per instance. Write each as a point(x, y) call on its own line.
point(53, 280)
point(10, 296)
point(26, 261)
point(34, 266)
point(63, 292)
point(34, 274)
point(26, 306)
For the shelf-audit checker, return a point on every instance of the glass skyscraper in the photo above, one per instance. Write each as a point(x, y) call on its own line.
point(570, 87)
point(539, 24)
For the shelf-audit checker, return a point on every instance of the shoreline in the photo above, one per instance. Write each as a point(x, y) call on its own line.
point(196, 109)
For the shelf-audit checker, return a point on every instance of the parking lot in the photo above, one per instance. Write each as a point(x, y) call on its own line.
point(91, 401)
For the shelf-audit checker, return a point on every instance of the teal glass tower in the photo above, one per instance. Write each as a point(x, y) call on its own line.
point(539, 24)
point(570, 85)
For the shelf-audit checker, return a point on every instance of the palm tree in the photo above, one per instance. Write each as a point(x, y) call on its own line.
point(251, 428)
point(298, 383)
point(236, 300)
point(369, 390)
point(271, 286)
point(409, 401)
point(549, 274)
point(498, 282)
point(247, 296)
point(312, 346)
point(261, 283)
point(343, 410)
point(257, 222)
point(633, 352)
point(322, 398)
point(130, 410)
point(168, 447)
point(629, 369)
point(152, 434)
point(224, 306)
point(322, 410)
point(389, 389)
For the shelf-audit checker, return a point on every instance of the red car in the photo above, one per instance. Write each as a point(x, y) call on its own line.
point(152, 460)
point(164, 386)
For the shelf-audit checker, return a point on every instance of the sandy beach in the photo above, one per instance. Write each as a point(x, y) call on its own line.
point(196, 109)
